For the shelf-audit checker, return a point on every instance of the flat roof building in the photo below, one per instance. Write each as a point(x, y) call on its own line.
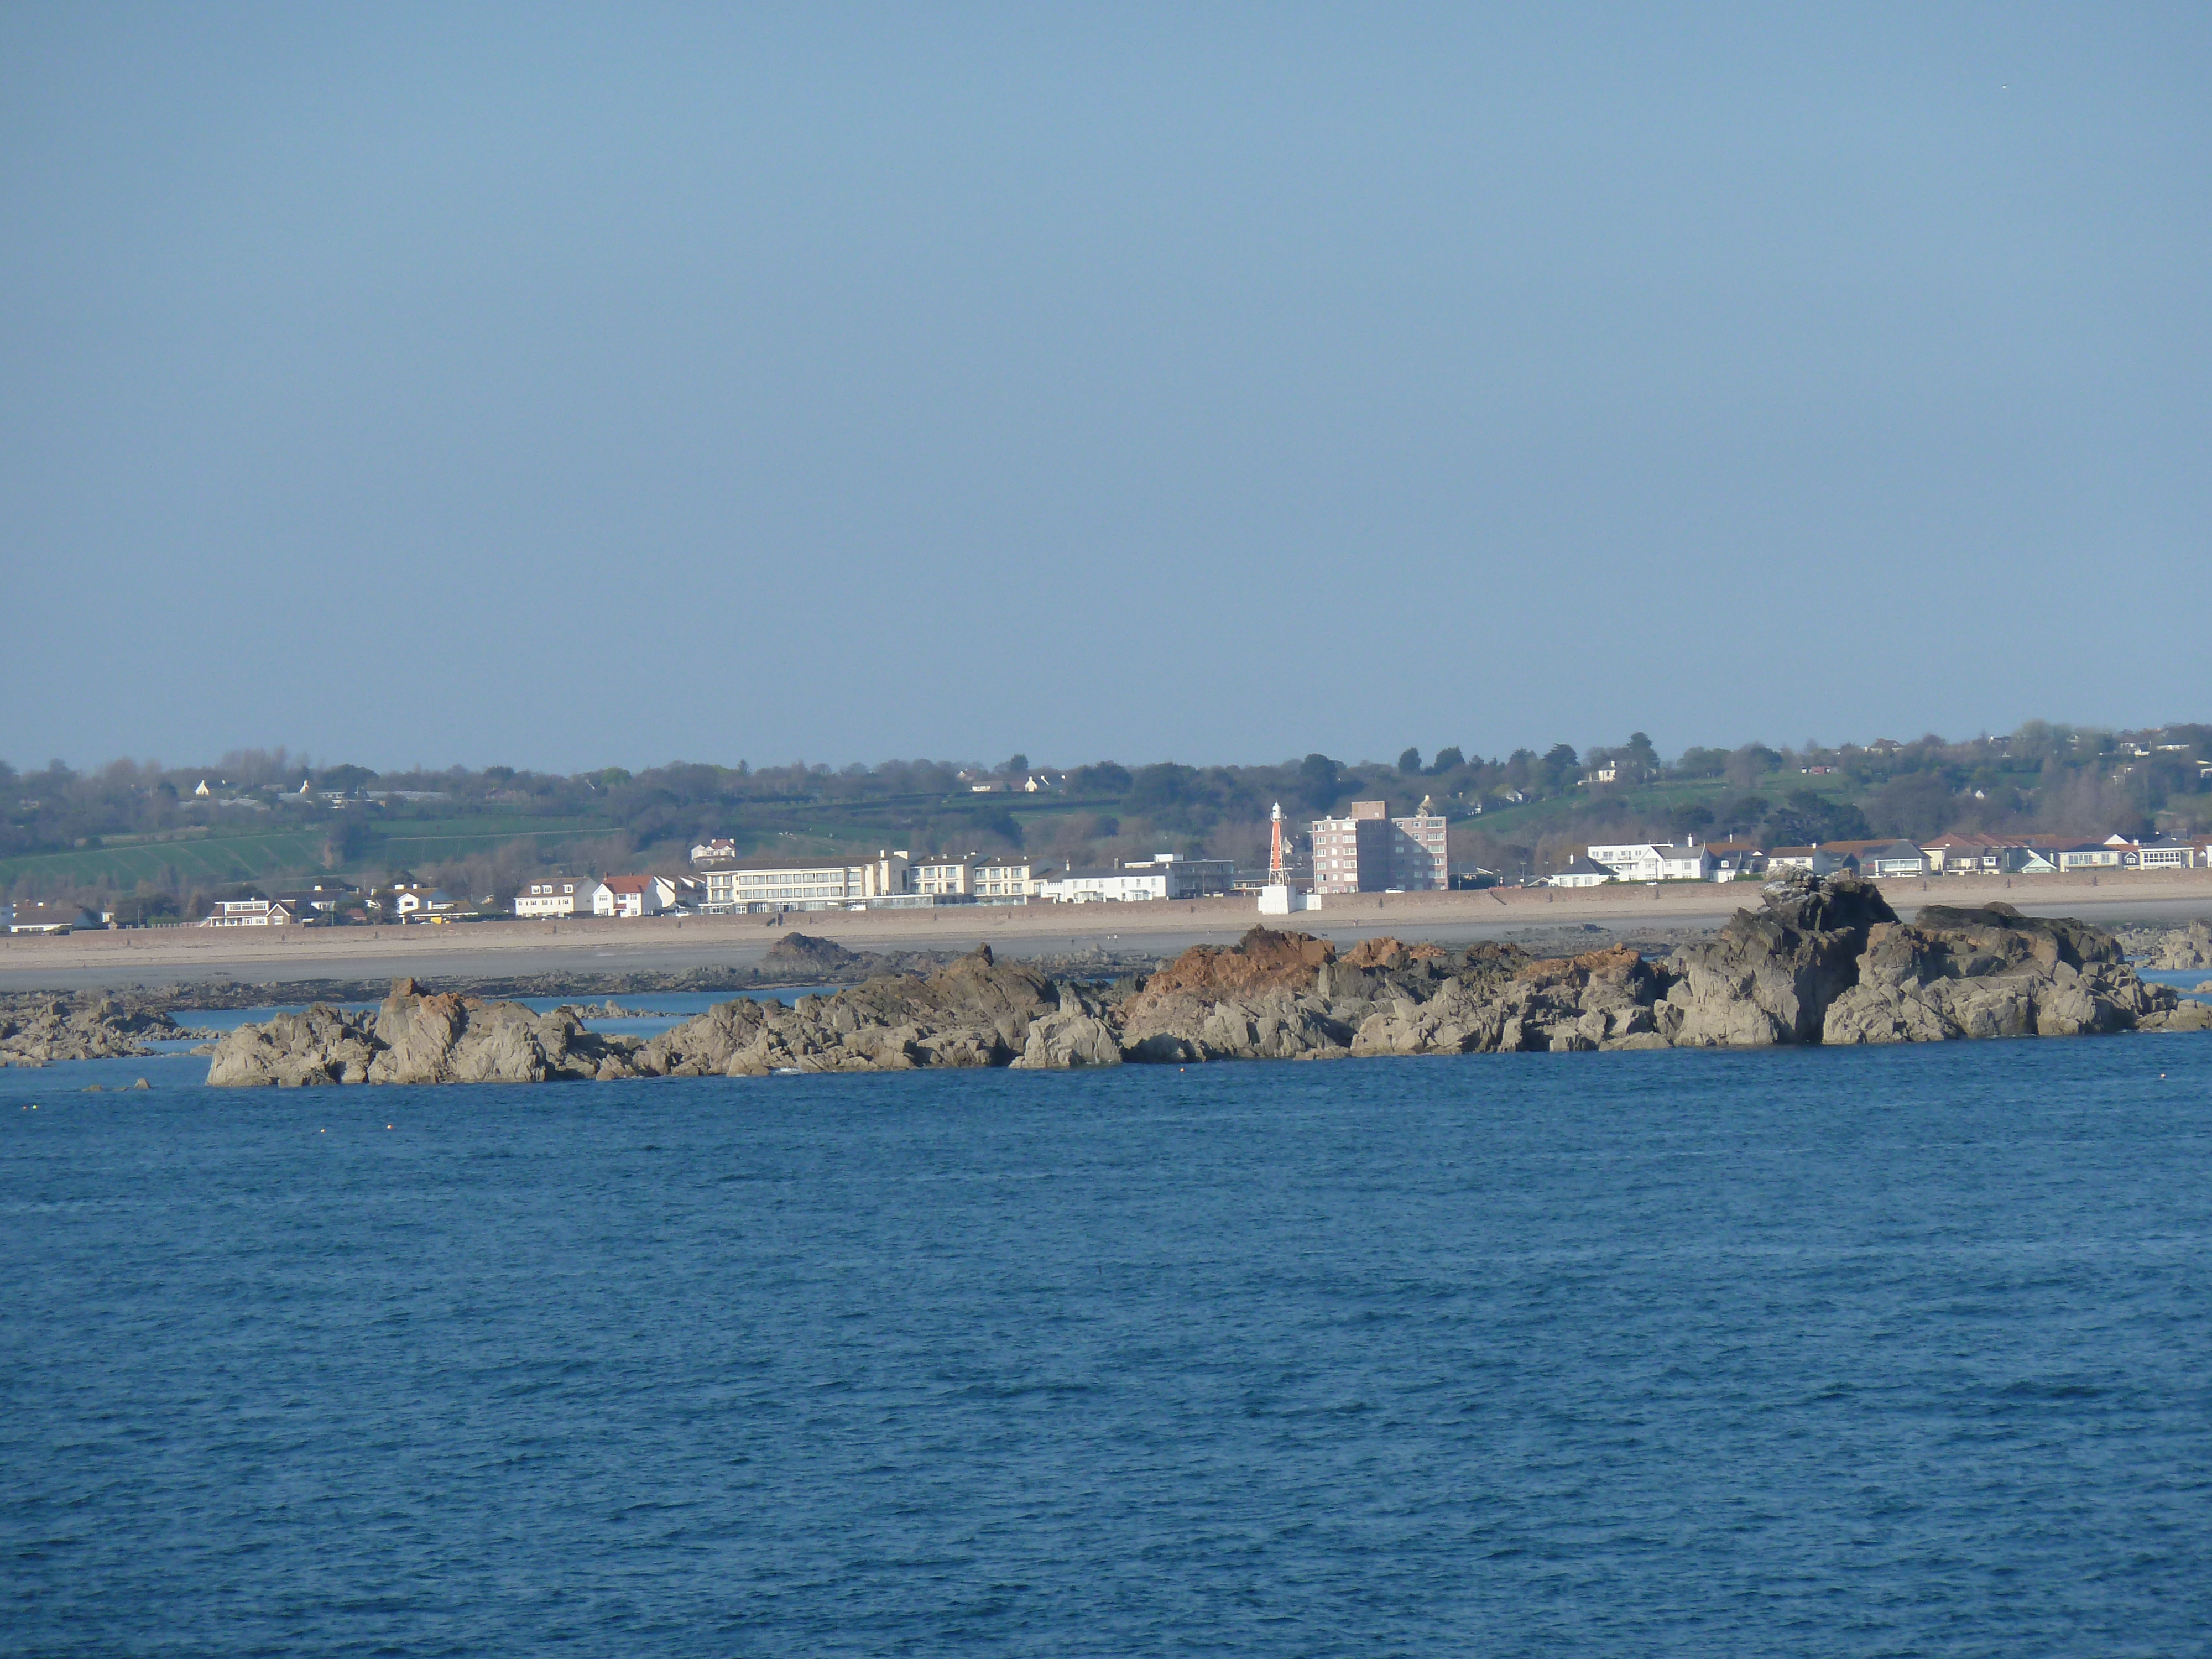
point(1370, 852)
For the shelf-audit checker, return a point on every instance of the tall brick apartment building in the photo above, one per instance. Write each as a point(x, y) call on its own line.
point(1371, 852)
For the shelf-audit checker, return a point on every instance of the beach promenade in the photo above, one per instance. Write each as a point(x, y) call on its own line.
point(179, 955)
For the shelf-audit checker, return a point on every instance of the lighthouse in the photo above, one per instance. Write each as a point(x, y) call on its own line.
point(1276, 898)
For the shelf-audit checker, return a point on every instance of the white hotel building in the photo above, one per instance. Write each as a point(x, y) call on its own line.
point(811, 885)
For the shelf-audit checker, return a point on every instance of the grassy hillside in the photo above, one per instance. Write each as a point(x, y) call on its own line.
point(1651, 801)
point(277, 852)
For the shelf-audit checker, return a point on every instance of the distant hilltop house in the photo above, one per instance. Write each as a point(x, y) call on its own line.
point(557, 896)
point(1370, 852)
point(706, 851)
point(250, 913)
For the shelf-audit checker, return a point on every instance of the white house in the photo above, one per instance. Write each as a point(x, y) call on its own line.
point(1582, 873)
point(557, 896)
point(2089, 855)
point(2159, 853)
point(1110, 884)
point(1163, 876)
point(411, 901)
point(42, 916)
point(1816, 858)
point(1900, 858)
point(633, 896)
point(249, 913)
point(721, 848)
point(1647, 860)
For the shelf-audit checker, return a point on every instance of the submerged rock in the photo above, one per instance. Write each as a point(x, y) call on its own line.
point(42, 1029)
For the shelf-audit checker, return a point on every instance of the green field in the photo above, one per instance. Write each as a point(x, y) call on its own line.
point(218, 860)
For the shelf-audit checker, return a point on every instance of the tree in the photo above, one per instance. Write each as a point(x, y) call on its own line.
point(1410, 761)
point(346, 777)
point(1320, 782)
point(1449, 759)
point(1750, 763)
point(1016, 763)
point(1639, 754)
point(1559, 766)
point(1808, 816)
point(1914, 804)
point(1103, 778)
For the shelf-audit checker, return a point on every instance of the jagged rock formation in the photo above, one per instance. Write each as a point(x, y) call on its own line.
point(1819, 962)
point(42, 1030)
point(414, 1038)
point(1772, 973)
point(1993, 972)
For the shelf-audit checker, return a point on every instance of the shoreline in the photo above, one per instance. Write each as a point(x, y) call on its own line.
point(607, 946)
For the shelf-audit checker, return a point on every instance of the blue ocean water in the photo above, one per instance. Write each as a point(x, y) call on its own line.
point(1829, 1352)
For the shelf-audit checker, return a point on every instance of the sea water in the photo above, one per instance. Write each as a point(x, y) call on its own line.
point(1822, 1352)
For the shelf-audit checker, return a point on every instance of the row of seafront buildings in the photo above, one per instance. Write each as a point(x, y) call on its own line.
point(890, 880)
point(1944, 855)
point(898, 880)
point(1365, 851)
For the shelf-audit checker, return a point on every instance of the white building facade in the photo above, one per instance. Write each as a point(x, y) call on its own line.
point(249, 913)
point(557, 896)
point(814, 884)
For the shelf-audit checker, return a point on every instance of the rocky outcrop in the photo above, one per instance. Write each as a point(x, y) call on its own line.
point(43, 1030)
point(1772, 973)
point(1993, 972)
point(414, 1038)
point(1818, 961)
point(977, 1011)
point(1261, 998)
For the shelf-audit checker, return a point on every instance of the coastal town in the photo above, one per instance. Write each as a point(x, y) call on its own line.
point(1367, 850)
point(268, 840)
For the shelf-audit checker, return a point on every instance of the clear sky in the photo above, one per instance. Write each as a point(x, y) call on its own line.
point(571, 387)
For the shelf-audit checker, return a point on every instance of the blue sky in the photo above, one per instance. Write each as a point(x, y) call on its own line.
point(571, 387)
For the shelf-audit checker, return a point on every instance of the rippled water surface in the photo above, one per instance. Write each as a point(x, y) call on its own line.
point(1852, 1352)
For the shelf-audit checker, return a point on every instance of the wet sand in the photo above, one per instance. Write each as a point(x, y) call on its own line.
point(173, 955)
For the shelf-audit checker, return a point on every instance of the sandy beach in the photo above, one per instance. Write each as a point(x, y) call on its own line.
point(172, 956)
